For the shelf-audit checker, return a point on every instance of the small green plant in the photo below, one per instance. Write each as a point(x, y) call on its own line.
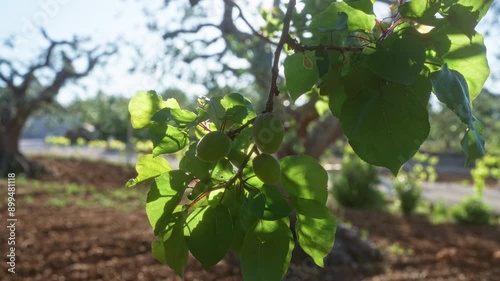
point(81, 142)
point(473, 210)
point(408, 185)
point(97, 144)
point(116, 145)
point(57, 141)
point(145, 146)
point(398, 250)
point(409, 193)
point(488, 166)
point(356, 185)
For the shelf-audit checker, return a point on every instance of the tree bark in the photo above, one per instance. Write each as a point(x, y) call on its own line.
point(11, 158)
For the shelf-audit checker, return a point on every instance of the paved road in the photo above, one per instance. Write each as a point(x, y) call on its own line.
point(449, 193)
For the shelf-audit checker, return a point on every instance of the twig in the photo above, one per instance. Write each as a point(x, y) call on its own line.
point(297, 47)
point(231, 134)
point(274, 91)
point(255, 32)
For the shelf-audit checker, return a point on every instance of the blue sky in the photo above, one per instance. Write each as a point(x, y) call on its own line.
point(105, 21)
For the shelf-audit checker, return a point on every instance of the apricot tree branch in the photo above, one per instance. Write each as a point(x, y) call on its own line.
point(274, 91)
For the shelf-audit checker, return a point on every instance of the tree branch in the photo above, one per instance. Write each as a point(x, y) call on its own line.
point(255, 32)
point(274, 91)
point(196, 29)
point(297, 47)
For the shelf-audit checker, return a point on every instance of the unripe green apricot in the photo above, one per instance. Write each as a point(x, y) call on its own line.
point(267, 168)
point(268, 132)
point(213, 147)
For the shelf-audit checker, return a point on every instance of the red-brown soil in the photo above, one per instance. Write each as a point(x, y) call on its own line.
point(74, 243)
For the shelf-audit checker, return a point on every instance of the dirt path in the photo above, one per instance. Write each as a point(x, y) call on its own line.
point(75, 243)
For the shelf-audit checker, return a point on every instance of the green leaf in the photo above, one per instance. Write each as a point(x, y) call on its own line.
point(333, 87)
point(148, 167)
point(238, 108)
point(422, 89)
point(400, 62)
point(473, 142)
point(322, 62)
point(268, 204)
point(248, 217)
point(172, 249)
point(421, 10)
point(385, 127)
point(480, 6)
point(315, 229)
point(181, 117)
point(303, 177)
point(167, 139)
point(194, 165)
point(267, 251)
point(341, 24)
point(164, 196)
point(209, 232)
point(214, 109)
point(239, 236)
point(451, 89)
point(360, 17)
point(276, 206)
point(299, 79)
point(144, 105)
point(461, 54)
point(463, 19)
point(369, 81)
point(223, 171)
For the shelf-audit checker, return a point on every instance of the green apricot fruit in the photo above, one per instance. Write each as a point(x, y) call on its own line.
point(213, 147)
point(268, 132)
point(267, 168)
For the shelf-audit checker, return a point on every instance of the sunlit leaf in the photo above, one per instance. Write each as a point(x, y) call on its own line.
point(180, 117)
point(164, 196)
point(315, 228)
point(167, 139)
point(172, 248)
point(194, 165)
point(149, 167)
point(467, 56)
point(144, 105)
point(267, 251)
point(303, 177)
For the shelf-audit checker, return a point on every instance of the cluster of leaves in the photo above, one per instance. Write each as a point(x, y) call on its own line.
point(473, 210)
point(209, 208)
point(488, 166)
point(379, 75)
point(57, 141)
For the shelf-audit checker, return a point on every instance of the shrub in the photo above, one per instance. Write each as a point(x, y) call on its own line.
point(356, 185)
point(408, 191)
point(57, 141)
point(472, 210)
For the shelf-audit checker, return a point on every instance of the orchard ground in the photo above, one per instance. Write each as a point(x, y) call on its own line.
point(80, 223)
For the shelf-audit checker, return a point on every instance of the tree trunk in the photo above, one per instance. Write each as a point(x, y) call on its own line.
point(11, 159)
